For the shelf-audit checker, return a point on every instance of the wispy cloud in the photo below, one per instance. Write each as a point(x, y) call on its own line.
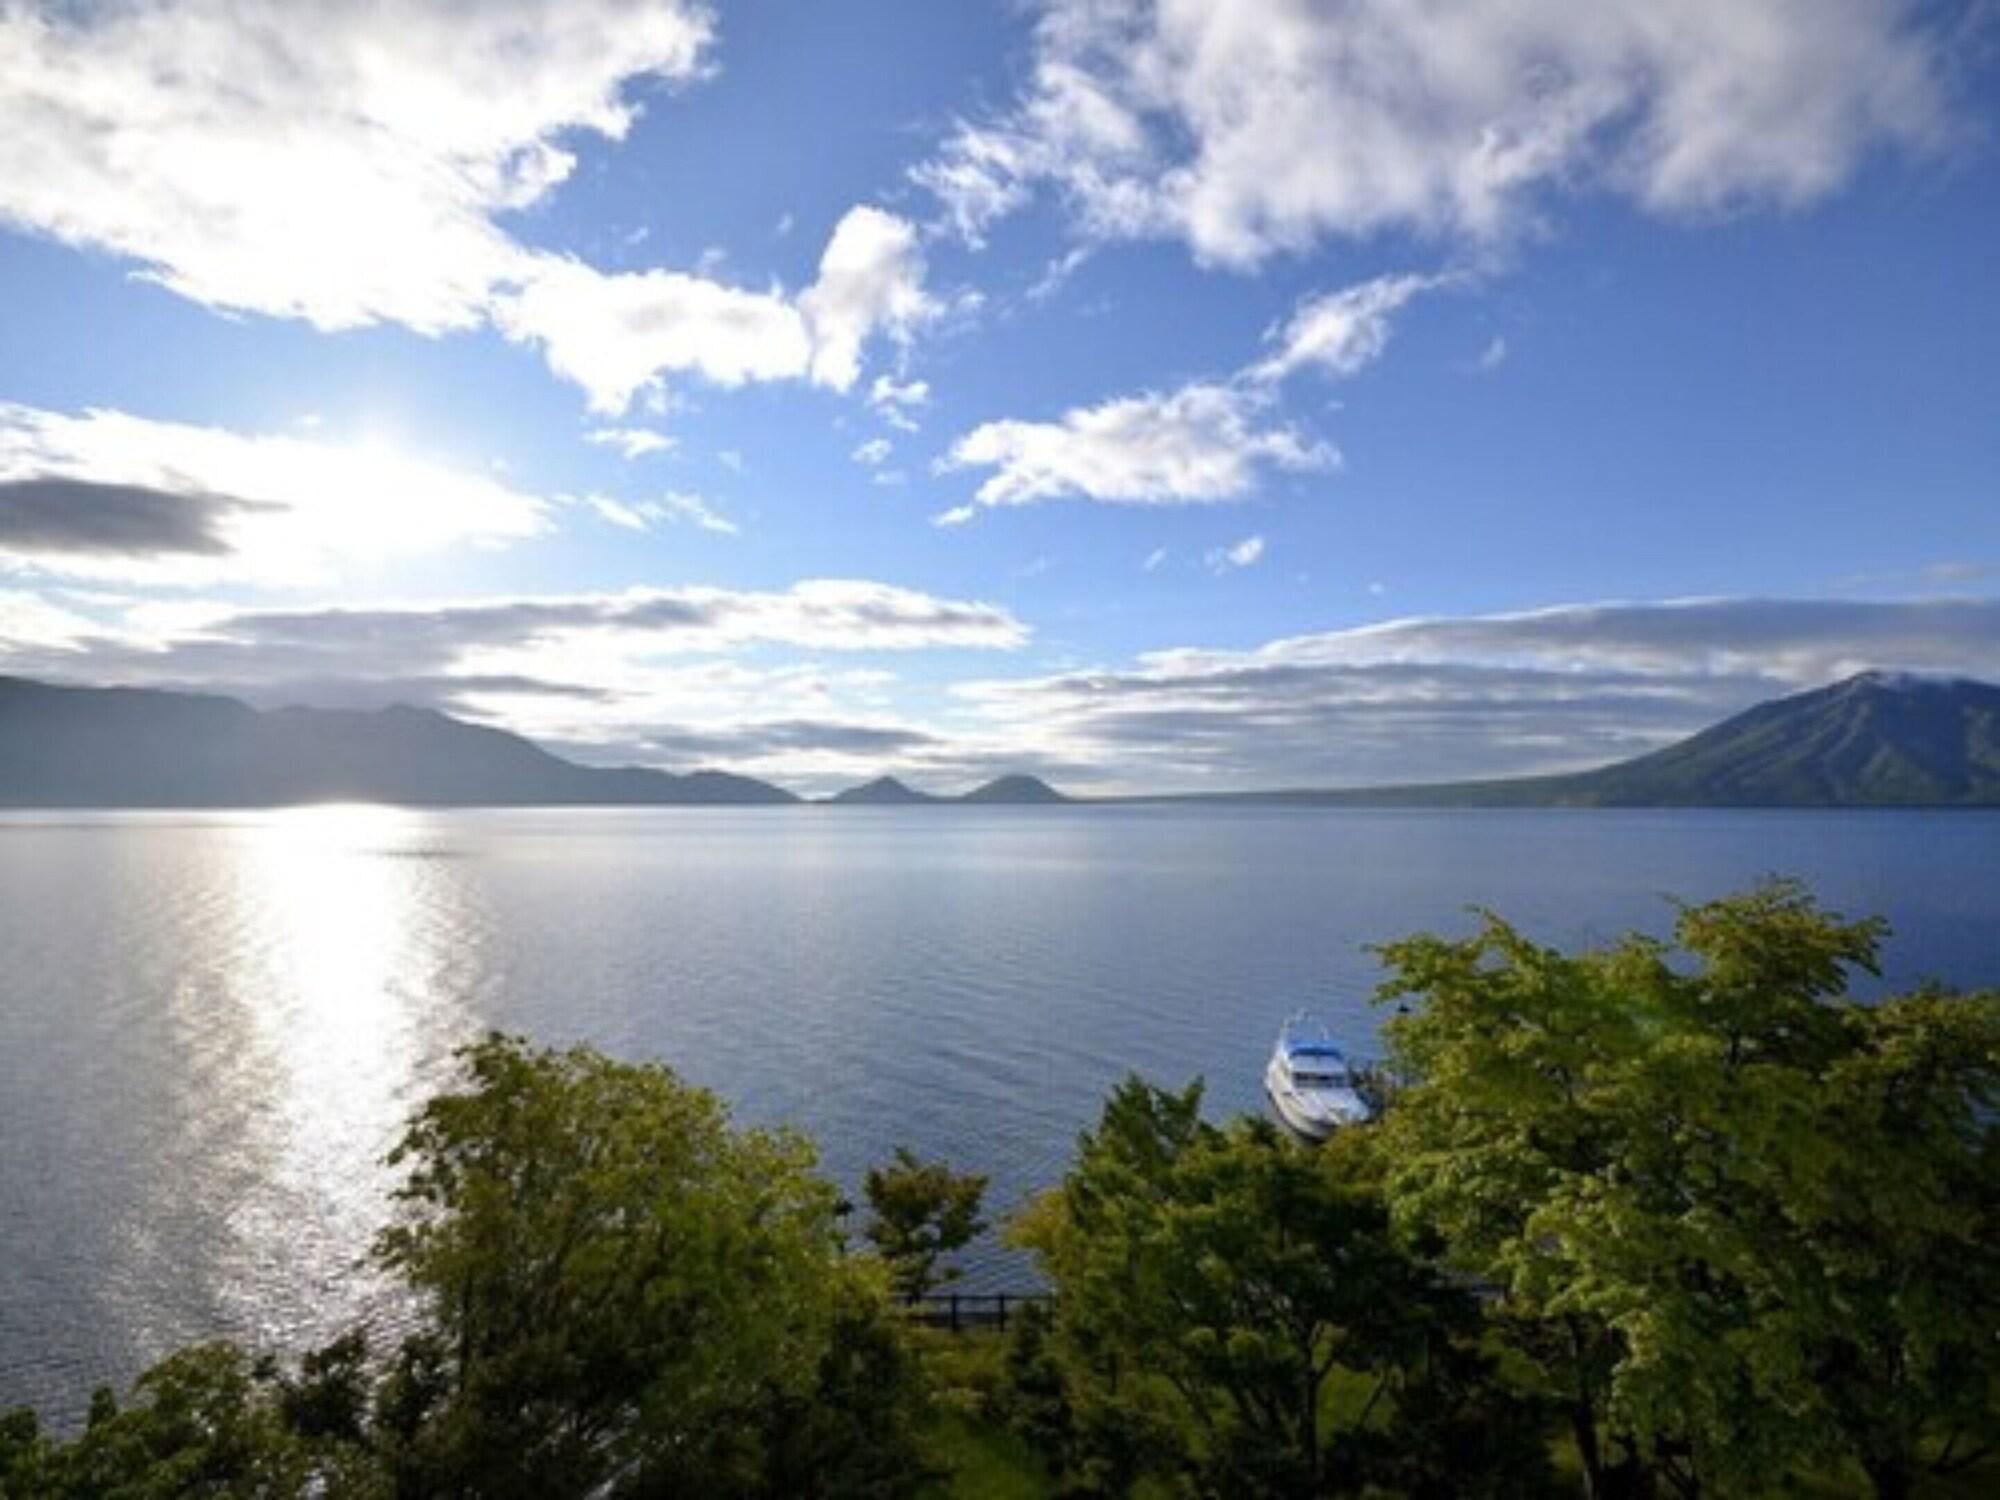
point(633, 442)
point(894, 401)
point(1244, 554)
point(1343, 332)
point(674, 506)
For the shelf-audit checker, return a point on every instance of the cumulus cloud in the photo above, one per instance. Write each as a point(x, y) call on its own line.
point(1264, 126)
point(109, 495)
point(1343, 332)
point(1202, 443)
point(1443, 698)
point(871, 279)
point(873, 453)
point(312, 161)
point(616, 334)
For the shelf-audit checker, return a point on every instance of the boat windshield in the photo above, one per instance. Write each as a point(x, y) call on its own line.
point(1320, 1080)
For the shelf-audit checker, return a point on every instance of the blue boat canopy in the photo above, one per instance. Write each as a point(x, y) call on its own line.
point(1315, 1049)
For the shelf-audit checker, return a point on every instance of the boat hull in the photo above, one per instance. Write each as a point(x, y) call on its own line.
point(1311, 1127)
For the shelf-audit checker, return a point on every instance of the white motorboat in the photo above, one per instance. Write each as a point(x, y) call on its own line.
point(1311, 1083)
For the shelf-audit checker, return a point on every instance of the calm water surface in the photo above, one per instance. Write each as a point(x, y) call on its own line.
point(212, 1025)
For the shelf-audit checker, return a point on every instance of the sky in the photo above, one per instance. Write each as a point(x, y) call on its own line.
point(1152, 396)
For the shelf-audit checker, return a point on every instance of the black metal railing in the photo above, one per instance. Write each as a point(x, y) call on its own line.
point(962, 1312)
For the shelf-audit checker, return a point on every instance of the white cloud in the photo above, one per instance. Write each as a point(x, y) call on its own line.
point(633, 442)
point(873, 453)
point(1494, 355)
point(894, 401)
point(616, 334)
point(329, 163)
point(672, 507)
point(1153, 559)
point(1203, 443)
point(871, 280)
point(617, 512)
point(31, 623)
point(109, 495)
point(1340, 332)
point(685, 505)
point(1243, 554)
point(980, 177)
point(1266, 125)
point(324, 162)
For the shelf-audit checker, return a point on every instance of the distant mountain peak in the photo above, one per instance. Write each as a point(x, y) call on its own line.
point(1017, 788)
point(883, 791)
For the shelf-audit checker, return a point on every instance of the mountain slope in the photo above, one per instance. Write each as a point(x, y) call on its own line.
point(139, 747)
point(1875, 740)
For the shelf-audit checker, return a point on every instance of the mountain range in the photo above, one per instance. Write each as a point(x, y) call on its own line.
point(1875, 740)
point(139, 747)
point(887, 791)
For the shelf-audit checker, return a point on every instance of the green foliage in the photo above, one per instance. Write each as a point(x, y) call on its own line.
point(919, 1212)
point(1213, 1287)
point(206, 1421)
point(628, 1296)
point(1741, 1224)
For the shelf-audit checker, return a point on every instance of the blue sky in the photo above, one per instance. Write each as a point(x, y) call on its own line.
point(1152, 395)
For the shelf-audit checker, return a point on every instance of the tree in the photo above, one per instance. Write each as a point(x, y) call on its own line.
point(921, 1211)
point(1729, 1210)
point(623, 1292)
point(1218, 1284)
point(208, 1420)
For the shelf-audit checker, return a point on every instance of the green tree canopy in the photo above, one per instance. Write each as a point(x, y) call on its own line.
point(1742, 1222)
point(623, 1290)
point(1241, 1305)
point(919, 1212)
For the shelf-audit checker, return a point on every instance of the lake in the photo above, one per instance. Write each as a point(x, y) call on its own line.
point(212, 1025)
